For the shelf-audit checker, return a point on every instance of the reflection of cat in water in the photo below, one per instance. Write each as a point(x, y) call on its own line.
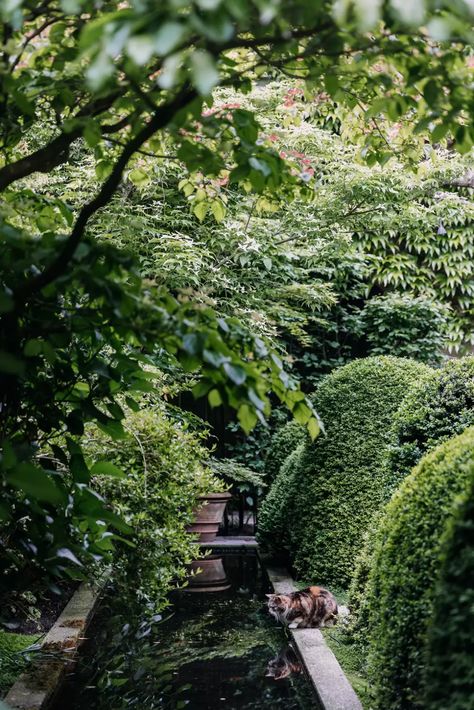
point(283, 665)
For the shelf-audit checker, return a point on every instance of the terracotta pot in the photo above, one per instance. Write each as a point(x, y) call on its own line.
point(210, 578)
point(209, 516)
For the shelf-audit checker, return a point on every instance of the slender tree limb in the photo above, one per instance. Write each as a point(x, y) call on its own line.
point(161, 118)
point(56, 151)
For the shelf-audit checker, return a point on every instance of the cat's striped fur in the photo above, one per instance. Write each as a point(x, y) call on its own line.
point(311, 607)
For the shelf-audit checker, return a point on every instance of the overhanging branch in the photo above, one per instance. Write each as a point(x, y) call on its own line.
point(162, 117)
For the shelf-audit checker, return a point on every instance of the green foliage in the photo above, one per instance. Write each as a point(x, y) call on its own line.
point(164, 475)
point(70, 357)
point(406, 568)
point(341, 480)
point(283, 442)
point(405, 326)
point(449, 677)
point(276, 514)
point(235, 473)
point(439, 407)
point(434, 411)
point(13, 657)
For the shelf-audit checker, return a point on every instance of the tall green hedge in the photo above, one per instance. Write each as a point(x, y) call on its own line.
point(438, 408)
point(435, 409)
point(449, 679)
point(406, 567)
point(277, 508)
point(338, 482)
point(284, 441)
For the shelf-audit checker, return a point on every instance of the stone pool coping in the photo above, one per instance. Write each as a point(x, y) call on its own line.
point(329, 681)
point(36, 687)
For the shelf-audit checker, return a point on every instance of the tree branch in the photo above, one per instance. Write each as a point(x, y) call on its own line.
point(161, 118)
point(56, 151)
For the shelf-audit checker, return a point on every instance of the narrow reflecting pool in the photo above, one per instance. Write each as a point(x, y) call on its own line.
point(215, 650)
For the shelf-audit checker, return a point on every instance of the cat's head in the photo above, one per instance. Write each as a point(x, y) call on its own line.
point(278, 605)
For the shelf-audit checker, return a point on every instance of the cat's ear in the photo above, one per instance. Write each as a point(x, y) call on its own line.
point(270, 596)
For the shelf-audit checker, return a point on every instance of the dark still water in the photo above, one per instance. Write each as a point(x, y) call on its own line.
point(212, 652)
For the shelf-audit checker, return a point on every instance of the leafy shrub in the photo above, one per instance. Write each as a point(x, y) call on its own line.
point(449, 679)
point(341, 480)
point(406, 567)
point(276, 510)
point(282, 444)
point(404, 325)
point(435, 410)
point(164, 477)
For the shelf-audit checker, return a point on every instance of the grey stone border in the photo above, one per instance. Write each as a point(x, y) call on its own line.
point(329, 681)
point(39, 683)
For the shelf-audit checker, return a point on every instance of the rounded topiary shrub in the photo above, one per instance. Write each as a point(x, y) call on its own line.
point(341, 479)
point(438, 408)
point(449, 677)
point(276, 509)
point(435, 409)
point(284, 441)
point(406, 568)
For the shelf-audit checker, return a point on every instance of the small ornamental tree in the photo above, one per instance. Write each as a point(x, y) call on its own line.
point(406, 568)
point(340, 482)
point(449, 675)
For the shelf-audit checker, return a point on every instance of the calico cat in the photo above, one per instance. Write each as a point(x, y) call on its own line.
point(311, 607)
point(283, 665)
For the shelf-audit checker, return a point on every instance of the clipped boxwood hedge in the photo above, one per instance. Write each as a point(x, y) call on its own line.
point(341, 479)
point(406, 567)
point(276, 509)
point(449, 680)
point(284, 441)
point(438, 408)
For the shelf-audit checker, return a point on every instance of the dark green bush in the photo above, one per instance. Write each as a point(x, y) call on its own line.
point(284, 441)
point(408, 326)
point(434, 410)
point(449, 678)
point(406, 567)
point(164, 477)
point(277, 508)
point(342, 482)
point(438, 408)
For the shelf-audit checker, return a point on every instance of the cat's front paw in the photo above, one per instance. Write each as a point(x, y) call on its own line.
point(293, 625)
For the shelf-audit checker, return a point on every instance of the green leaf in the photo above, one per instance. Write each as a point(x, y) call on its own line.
point(235, 372)
point(313, 428)
point(214, 397)
point(218, 210)
point(34, 481)
point(139, 177)
point(168, 37)
point(200, 210)
point(203, 71)
point(106, 468)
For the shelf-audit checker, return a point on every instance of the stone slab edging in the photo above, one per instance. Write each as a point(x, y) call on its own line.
point(329, 681)
point(38, 684)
